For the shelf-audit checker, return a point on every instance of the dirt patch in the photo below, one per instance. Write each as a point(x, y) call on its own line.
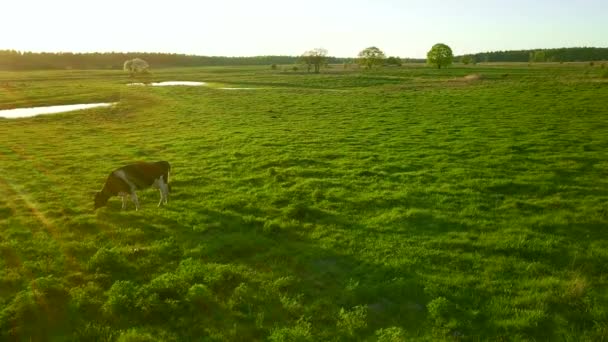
point(473, 77)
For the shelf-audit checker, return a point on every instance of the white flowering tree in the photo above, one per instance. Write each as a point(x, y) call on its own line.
point(136, 66)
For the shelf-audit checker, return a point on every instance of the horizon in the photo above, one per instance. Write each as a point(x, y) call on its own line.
point(270, 28)
point(254, 56)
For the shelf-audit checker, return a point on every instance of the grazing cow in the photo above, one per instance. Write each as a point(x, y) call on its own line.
point(125, 180)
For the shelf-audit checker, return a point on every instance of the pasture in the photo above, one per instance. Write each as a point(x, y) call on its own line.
point(386, 205)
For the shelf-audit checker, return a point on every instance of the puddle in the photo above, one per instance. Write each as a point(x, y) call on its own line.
point(187, 83)
point(170, 83)
point(34, 111)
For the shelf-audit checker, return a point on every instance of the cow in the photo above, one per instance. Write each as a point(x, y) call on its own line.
point(125, 180)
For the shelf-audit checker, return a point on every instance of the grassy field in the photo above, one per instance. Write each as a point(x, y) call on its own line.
point(398, 204)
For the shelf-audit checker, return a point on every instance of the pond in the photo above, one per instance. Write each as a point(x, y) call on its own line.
point(170, 83)
point(34, 111)
point(185, 83)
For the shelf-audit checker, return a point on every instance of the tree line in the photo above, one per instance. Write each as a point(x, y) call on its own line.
point(313, 59)
point(580, 54)
point(15, 60)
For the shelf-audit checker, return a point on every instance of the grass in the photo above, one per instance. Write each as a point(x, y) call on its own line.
point(398, 204)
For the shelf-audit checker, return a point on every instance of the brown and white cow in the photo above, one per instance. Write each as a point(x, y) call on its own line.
point(125, 180)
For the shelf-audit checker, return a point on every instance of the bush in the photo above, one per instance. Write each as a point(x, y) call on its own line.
point(22, 318)
point(392, 334)
point(273, 67)
point(122, 297)
point(272, 226)
point(108, 261)
point(192, 270)
point(467, 59)
point(162, 298)
point(199, 294)
point(85, 299)
point(394, 61)
point(299, 332)
point(135, 336)
point(439, 310)
point(50, 290)
point(167, 285)
point(95, 332)
point(353, 320)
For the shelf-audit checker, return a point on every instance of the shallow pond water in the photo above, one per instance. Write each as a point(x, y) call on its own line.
point(34, 111)
point(170, 83)
point(185, 83)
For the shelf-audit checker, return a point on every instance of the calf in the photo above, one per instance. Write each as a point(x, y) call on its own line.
point(125, 180)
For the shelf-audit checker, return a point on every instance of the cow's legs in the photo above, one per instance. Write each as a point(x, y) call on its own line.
point(163, 188)
point(135, 200)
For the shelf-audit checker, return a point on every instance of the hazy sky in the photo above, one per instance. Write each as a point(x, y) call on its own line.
point(406, 28)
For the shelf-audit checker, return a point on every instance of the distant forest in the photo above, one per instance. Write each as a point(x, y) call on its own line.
point(583, 54)
point(15, 60)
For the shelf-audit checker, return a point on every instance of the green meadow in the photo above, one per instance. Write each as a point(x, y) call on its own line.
point(398, 204)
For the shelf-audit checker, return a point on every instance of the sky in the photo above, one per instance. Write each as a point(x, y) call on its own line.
point(406, 28)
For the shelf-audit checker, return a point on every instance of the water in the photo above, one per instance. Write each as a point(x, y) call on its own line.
point(34, 111)
point(184, 83)
point(170, 83)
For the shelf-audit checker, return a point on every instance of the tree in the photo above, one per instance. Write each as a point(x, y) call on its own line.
point(314, 58)
point(396, 61)
point(440, 55)
point(370, 57)
point(467, 59)
point(538, 56)
point(136, 66)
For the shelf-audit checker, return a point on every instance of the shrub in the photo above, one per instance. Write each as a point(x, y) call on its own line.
point(136, 66)
point(395, 61)
point(241, 298)
point(467, 59)
point(199, 294)
point(85, 299)
point(438, 308)
point(392, 334)
point(49, 290)
point(163, 297)
point(353, 320)
point(273, 67)
point(167, 285)
point(192, 270)
point(122, 297)
point(133, 335)
point(95, 332)
point(22, 318)
point(299, 332)
point(108, 261)
point(272, 226)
